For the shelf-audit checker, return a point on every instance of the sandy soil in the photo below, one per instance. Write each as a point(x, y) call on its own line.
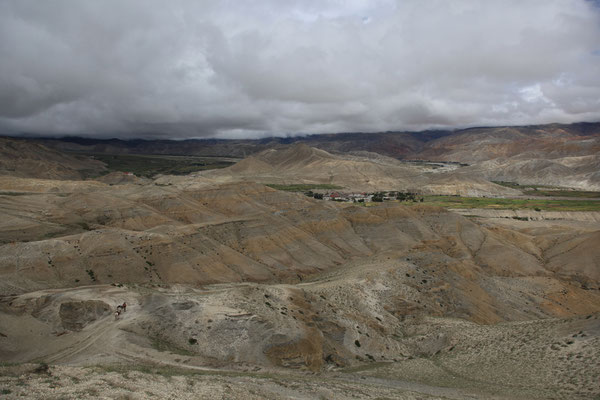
point(236, 290)
point(344, 345)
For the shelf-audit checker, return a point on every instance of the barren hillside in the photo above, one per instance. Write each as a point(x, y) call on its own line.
point(300, 163)
point(25, 158)
point(544, 155)
point(554, 154)
point(238, 232)
point(269, 292)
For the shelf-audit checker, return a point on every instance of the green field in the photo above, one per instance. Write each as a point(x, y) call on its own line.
point(303, 187)
point(150, 165)
point(550, 191)
point(512, 204)
point(563, 193)
point(2, 193)
point(515, 185)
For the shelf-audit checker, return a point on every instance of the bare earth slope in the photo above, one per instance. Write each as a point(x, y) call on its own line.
point(545, 155)
point(28, 159)
point(398, 262)
point(237, 290)
point(300, 163)
point(554, 154)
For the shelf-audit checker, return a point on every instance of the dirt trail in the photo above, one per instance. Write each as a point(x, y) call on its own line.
point(128, 342)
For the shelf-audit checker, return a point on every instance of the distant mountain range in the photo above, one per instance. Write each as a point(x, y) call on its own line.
point(405, 145)
point(554, 154)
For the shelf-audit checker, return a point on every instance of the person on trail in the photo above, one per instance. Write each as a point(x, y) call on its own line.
point(124, 306)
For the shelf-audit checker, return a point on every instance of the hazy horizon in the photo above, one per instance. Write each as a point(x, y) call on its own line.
point(267, 135)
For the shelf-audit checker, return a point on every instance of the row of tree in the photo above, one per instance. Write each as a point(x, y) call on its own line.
point(310, 193)
point(402, 196)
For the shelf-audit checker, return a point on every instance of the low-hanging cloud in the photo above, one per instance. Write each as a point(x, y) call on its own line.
point(151, 68)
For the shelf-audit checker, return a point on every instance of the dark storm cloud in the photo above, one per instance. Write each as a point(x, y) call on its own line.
point(253, 68)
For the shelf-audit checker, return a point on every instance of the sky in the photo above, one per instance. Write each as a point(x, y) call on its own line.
point(248, 68)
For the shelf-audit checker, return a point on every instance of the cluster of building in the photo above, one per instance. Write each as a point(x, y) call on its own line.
point(349, 197)
point(364, 197)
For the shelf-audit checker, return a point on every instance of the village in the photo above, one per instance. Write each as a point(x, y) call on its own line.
point(365, 197)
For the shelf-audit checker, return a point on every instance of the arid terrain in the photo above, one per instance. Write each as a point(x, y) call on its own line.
point(235, 289)
point(555, 154)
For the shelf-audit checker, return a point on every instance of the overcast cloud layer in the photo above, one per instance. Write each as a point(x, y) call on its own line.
point(154, 68)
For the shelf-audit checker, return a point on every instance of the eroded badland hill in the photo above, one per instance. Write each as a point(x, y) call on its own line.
point(238, 290)
point(555, 154)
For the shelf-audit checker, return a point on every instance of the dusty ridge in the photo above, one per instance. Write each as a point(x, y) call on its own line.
point(248, 232)
point(554, 154)
point(300, 163)
point(547, 155)
point(260, 288)
point(27, 159)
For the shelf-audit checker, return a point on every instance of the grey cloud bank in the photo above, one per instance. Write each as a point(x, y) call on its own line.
point(255, 68)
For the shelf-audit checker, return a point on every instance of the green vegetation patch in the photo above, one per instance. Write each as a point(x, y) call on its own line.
point(515, 185)
point(303, 187)
point(563, 193)
point(549, 191)
point(512, 204)
point(151, 165)
point(16, 193)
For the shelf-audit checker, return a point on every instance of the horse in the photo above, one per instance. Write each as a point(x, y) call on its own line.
point(118, 311)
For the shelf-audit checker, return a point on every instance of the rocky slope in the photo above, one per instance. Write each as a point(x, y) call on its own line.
point(25, 158)
point(274, 294)
point(300, 163)
point(248, 232)
point(554, 154)
point(544, 155)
